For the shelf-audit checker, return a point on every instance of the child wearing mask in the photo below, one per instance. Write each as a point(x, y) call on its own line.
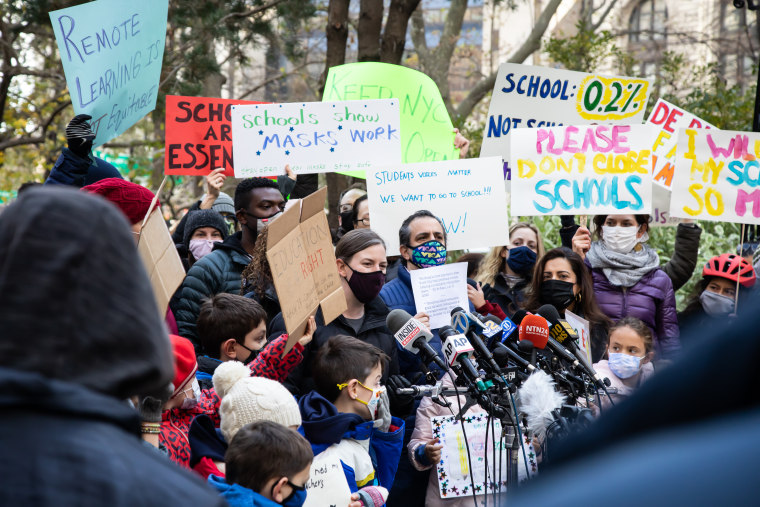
point(627, 278)
point(629, 363)
point(715, 298)
point(233, 328)
point(279, 479)
point(348, 415)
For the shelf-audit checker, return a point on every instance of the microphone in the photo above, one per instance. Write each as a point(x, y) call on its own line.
point(411, 335)
point(502, 353)
point(457, 349)
point(458, 319)
point(533, 334)
point(519, 315)
point(560, 328)
point(423, 390)
point(507, 327)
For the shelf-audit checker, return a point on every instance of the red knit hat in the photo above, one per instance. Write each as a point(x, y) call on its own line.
point(185, 364)
point(131, 198)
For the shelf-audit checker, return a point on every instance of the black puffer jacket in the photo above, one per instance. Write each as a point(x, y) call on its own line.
point(373, 331)
point(216, 273)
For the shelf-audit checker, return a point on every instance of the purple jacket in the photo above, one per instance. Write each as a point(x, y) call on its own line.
point(652, 300)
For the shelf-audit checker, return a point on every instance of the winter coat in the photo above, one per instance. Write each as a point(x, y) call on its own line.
point(369, 456)
point(216, 273)
point(681, 265)
point(175, 423)
point(509, 299)
point(64, 444)
point(238, 496)
point(373, 331)
point(652, 300)
point(72, 170)
point(207, 444)
point(622, 391)
point(397, 294)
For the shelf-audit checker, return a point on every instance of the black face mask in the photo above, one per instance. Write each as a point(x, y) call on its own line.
point(557, 293)
point(347, 221)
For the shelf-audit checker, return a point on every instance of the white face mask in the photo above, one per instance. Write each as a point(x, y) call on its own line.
point(201, 247)
point(620, 239)
point(189, 403)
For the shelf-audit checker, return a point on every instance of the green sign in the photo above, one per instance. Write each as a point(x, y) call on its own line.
point(427, 133)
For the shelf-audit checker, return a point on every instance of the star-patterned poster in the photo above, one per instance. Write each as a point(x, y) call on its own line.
point(457, 474)
point(314, 137)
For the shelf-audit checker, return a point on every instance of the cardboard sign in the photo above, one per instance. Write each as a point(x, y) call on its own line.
point(438, 290)
point(583, 328)
point(159, 255)
point(717, 175)
point(668, 119)
point(112, 54)
point(427, 133)
point(199, 135)
point(314, 137)
point(304, 270)
point(583, 170)
point(467, 195)
point(526, 96)
point(327, 484)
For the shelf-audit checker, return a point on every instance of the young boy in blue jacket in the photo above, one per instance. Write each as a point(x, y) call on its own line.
point(268, 465)
point(348, 415)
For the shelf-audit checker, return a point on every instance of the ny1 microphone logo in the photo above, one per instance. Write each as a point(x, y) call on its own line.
point(408, 333)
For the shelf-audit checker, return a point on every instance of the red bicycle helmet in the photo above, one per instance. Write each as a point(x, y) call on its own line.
point(731, 267)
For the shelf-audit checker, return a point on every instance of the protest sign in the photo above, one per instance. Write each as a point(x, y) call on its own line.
point(427, 133)
point(302, 261)
point(314, 137)
point(455, 478)
point(160, 258)
point(582, 170)
point(660, 216)
point(467, 195)
point(526, 96)
point(716, 176)
point(112, 54)
point(327, 484)
point(199, 135)
point(438, 290)
point(668, 118)
point(583, 328)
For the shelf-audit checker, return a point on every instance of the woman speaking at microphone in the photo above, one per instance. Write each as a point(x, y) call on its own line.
point(360, 256)
point(562, 280)
point(627, 278)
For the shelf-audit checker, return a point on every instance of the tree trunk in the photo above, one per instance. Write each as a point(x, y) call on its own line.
point(274, 90)
point(368, 32)
point(337, 35)
point(394, 37)
point(336, 184)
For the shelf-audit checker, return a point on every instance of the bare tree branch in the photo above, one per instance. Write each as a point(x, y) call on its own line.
point(277, 78)
point(252, 12)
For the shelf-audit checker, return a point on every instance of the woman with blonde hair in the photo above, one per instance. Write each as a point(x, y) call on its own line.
point(507, 270)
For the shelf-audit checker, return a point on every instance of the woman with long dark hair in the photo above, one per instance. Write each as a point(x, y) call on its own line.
point(562, 280)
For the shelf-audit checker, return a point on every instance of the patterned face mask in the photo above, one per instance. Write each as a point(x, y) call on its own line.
point(428, 254)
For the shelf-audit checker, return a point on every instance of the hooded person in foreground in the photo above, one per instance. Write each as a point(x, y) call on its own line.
point(686, 437)
point(80, 334)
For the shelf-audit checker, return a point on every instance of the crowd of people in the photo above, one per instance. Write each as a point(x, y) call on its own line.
point(107, 402)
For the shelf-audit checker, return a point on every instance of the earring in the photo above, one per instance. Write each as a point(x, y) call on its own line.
point(579, 297)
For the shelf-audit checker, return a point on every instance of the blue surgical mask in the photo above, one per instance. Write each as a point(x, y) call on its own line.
point(623, 365)
point(521, 260)
point(428, 254)
point(716, 305)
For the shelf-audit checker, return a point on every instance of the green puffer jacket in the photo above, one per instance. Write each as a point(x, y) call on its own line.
point(217, 272)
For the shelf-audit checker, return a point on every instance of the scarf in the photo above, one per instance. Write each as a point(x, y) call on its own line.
point(622, 270)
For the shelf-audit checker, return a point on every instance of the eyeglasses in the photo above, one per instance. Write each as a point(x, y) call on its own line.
point(363, 221)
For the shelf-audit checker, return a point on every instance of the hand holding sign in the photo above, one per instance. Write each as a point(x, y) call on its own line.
point(582, 242)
